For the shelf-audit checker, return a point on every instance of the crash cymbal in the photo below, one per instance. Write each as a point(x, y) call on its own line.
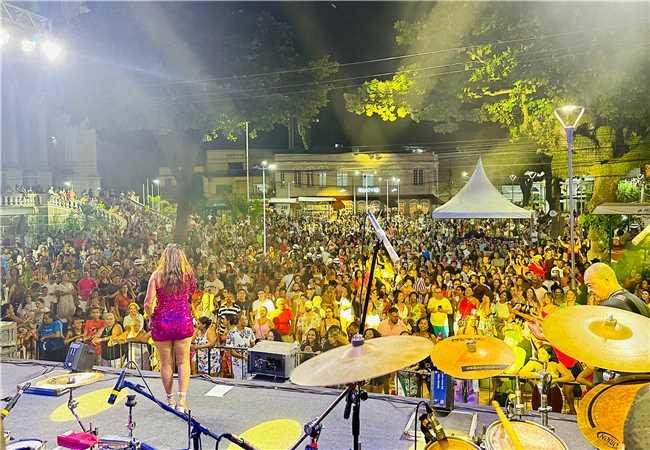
point(600, 336)
point(472, 357)
point(602, 411)
point(351, 363)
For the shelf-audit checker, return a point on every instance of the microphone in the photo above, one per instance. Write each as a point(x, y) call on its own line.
point(424, 428)
point(381, 235)
point(4, 412)
point(119, 384)
point(238, 441)
point(436, 425)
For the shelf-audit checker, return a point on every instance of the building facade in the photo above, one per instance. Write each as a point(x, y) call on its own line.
point(405, 178)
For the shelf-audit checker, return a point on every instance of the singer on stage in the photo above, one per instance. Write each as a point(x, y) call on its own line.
point(167, 304)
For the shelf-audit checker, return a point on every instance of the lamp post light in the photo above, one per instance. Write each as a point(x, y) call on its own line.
point(365, 187)
point(264, 167)
point(513, 177)
point(569, 130)
point(157, 183)
point(354, 192)
point(396, 182)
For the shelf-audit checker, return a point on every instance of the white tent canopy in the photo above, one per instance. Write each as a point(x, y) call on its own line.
point(479, 199)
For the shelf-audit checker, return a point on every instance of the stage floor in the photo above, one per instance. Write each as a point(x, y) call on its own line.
point(275, 411)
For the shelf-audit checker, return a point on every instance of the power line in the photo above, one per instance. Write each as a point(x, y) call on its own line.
point(226, 97)
point(221, 91)
point(390, 58)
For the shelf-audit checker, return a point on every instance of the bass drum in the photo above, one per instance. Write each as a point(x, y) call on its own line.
point(454, 443)
point(26, 444)
point(533, 436)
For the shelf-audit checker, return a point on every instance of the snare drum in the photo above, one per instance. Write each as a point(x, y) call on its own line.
point(30, 444)
point(533, 436)
point(454, 443)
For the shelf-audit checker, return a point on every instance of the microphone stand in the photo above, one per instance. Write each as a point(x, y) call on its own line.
point(196, 429)
point(353, 394)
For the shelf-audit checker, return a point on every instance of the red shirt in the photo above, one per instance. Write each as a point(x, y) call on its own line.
point(90, 330)
point(465, 307)
point(282, 322)
point(86, 286)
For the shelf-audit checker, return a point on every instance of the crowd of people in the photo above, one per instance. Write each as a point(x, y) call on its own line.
point(494, 278)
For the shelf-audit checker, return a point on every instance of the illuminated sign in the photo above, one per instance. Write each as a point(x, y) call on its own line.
point(369, 190)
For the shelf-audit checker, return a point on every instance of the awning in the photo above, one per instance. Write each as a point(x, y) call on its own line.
point(628, 209)
point(280, 200)
point(316, 199)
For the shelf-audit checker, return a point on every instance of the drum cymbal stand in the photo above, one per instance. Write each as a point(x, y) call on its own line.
point(72, 406)
point(516, 409)
point(544, 385)
point(130, 403)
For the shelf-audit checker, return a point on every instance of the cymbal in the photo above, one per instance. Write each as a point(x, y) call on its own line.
point(603, 410)
point(351, 364)
point(600, 336)
point(472, 357)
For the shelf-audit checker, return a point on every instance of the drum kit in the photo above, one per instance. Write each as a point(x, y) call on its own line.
point(601, 337)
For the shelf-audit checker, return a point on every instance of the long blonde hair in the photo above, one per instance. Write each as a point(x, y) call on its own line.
point(174, 268)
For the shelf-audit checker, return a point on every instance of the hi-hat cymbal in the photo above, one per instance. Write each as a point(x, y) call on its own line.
point(603, 410)
point(600, 336)
point(351, 364)
point(472, 357)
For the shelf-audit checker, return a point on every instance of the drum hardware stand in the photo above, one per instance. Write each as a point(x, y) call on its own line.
point(314, 433)
point(544, 386)
point(72, 406)
point(517, 409)
point(130, 403)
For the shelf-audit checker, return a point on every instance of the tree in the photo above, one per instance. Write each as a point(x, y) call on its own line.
point(515, 67)
point(182, 115)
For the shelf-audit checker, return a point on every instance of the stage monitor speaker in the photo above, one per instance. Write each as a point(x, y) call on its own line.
point(80, 358)
point(442, 390)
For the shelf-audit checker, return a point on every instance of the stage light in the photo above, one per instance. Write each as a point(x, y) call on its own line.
point(51, 50)
point(27, 45)
point(4, 37)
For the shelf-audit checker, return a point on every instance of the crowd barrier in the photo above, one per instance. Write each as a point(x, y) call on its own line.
point(222, 361)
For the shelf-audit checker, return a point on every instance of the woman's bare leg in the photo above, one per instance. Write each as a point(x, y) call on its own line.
point(165, 355)
point(182, 353)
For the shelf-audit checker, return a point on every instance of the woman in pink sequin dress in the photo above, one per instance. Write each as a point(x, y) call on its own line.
point(168, 305)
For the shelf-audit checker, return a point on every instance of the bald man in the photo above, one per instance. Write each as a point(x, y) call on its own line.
point(601, 281)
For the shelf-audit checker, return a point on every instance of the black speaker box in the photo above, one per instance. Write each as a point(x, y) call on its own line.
point(80, 358)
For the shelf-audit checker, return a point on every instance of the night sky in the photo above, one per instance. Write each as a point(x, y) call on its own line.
point(161, 42)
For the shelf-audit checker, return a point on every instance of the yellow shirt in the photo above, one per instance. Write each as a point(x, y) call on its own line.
point(438, 317)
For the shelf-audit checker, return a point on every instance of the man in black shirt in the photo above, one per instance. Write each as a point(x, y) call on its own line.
point(601, 281)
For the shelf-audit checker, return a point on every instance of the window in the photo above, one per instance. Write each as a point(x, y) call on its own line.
point(342, 179)
point(418, 176)
point(236, 169)
point(370, 180)
point(322, 179)
point(283, 177)
point(297, 178)
point(310, 178)
point(222, 189)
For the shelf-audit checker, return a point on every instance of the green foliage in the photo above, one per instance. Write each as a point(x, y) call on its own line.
point(628, 191)
point(601, 227)
point(387, 99)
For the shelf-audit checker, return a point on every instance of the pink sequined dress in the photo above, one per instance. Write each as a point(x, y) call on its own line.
point(172, 317)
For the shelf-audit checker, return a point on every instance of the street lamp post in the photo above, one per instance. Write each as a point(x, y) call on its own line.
point(396, 181)
point(512, 188)
point(387, 200)
point(157, 183)
point(354, 192)
point(365, 186)
point(569, 130)
point(264, 167)
point(248, 184)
